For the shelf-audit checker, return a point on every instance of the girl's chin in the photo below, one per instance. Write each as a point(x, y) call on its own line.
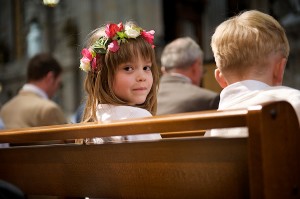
point(136, 103)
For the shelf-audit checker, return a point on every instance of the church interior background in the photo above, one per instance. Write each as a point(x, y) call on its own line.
point(30, 26)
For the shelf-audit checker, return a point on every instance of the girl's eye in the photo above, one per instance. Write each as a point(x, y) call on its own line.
point(147, 68)
point(128, 68)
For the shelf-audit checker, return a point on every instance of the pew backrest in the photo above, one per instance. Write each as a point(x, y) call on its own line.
point(263, 165)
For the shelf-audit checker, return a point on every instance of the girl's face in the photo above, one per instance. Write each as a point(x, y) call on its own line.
point(133, 81)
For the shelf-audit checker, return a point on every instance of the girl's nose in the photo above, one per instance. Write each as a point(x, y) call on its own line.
point(141, 77)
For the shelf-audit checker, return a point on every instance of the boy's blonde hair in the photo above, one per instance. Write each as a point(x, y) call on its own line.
point(99, 84)
point(247, 40)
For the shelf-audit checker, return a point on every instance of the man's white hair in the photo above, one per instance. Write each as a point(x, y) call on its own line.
point(181, 53)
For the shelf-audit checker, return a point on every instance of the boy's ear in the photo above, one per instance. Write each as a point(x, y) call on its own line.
point(278, 72)
point(220, 78)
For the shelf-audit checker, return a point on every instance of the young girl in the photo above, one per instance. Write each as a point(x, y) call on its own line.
point(122, 77)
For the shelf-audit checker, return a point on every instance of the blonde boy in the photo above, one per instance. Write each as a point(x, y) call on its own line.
point(251, 51)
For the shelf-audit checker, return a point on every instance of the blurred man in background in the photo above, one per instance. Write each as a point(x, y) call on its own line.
point(179, 89)
point(33, 105)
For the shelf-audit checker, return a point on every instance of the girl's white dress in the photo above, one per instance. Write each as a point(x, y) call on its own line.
point(107, 113)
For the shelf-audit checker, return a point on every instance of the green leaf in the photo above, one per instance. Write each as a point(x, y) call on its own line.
point(100, 46)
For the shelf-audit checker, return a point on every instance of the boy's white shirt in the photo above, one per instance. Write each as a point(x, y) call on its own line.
point(251, 92)
point(106, 113)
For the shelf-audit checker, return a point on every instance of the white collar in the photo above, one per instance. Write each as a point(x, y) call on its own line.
point(33, 88)
point(240, 90)
point(243, 86)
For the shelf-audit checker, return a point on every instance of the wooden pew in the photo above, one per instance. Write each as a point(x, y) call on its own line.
point(264, 165)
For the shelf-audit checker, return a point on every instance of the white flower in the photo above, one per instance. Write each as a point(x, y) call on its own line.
point(132, 32)
point(85, 64)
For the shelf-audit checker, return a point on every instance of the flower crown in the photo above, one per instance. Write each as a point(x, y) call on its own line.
point(115, 35)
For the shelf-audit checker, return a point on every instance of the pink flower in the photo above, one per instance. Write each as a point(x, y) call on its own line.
point(148, 36)
point(112, 29)
point(113, 46)
point(85, 61)
point(121, 27)
point(87, 54)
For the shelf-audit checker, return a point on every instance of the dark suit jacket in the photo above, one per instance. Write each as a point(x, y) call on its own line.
point(177, 95)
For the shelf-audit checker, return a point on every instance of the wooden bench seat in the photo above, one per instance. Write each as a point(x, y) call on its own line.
point(264, 165)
